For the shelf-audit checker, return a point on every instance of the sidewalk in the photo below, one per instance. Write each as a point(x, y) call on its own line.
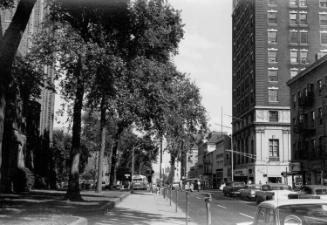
point(42, 207)
point(143, 208)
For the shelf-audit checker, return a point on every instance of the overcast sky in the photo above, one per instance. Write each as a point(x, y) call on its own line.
point(206, 54)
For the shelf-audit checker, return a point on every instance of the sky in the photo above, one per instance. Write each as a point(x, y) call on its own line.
point(206, 54)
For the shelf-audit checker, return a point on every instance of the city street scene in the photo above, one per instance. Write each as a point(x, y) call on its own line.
point(163, 112)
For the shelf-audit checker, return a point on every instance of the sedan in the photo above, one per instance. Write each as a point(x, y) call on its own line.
point(292, 211)
point(249, 191)
point(311, 191)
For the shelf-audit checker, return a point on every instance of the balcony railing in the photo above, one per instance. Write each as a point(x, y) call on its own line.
point(273, 158)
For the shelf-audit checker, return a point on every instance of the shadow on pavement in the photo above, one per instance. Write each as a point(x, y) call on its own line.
point(121, 216)
point(53, 202)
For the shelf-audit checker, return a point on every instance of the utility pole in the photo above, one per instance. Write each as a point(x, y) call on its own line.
point(232, 156)
point(160, 173)
point(133, 164)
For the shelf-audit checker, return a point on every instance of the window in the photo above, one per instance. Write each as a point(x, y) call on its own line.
point(272, 36)
point(270, 217)
point(303, 19)
point(313, 118)
point(320, 115)
point(272, 75)
point(293, 3)
point(319, 84)
point(293, 18)
point(304, 37)
point(294, 101)
point(273, 148)
point(272, 56)
point(313, 145)
point(293, 72)
point(323, 37)
point(302, 3)
point(303, 56)
point(323, 3)
point(323, 19)
point(273, 95)
point(273, 116)
point(272, 17)
point(260, 218)
point(293, 56)
point(293, 36)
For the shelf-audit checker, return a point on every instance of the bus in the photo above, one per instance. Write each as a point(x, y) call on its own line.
point(139, 182)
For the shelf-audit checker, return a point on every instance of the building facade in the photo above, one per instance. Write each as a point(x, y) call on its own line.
point(309, 125)
point(35, 25)
point(272, 41)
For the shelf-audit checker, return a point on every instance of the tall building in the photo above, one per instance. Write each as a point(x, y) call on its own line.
point(35, 25)
point(272, 41)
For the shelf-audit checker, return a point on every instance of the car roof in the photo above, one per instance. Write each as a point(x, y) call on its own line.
point(276, 184)
point(277, 203)
point(315, 186)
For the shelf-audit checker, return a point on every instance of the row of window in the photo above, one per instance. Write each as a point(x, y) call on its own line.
point(310, 89)
point(297, 56)
point(299, 3)
point(309, 148)
point(296, 18)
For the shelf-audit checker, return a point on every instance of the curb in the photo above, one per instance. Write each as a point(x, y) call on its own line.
point(79, 221)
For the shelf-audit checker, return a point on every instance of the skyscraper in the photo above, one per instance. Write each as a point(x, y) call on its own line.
point(272, 41)
point(34, 25)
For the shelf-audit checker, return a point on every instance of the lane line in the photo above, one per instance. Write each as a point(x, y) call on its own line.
point(222, 206)
point(251, 217)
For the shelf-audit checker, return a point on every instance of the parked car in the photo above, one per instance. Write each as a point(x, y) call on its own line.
point(273, 191)
point(311, 191)
point(249, 191)
point(233, 189)
point(291, 212)
point(176, 186)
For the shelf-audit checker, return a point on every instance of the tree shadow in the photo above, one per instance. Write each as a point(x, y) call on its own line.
point(132, 217)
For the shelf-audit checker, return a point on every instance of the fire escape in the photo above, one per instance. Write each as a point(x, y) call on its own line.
point(305, 124)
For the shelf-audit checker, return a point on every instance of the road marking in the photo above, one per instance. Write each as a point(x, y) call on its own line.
point(251, 217)
point(221, 206)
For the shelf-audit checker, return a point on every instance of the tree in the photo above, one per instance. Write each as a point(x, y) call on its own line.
point(184, 120)
point(9, 42)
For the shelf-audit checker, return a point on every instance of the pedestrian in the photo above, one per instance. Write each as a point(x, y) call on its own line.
point(199, 185)
point(192, 187)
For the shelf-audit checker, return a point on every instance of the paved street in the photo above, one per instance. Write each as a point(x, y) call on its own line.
point(225, 211)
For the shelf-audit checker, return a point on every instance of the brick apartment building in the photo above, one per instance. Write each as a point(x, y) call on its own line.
point(309, 125)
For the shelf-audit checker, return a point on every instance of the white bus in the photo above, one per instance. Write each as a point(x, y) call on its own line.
point(139, 182)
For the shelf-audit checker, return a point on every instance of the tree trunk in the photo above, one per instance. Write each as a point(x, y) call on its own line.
point(73, 191)
point(103, 142)
point(2, 124)
point(114, 158)
point(172, 169)
point(9, 43)
point(113, 164)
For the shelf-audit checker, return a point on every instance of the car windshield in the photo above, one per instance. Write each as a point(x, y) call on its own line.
point(310, 214)
point(137, 179)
